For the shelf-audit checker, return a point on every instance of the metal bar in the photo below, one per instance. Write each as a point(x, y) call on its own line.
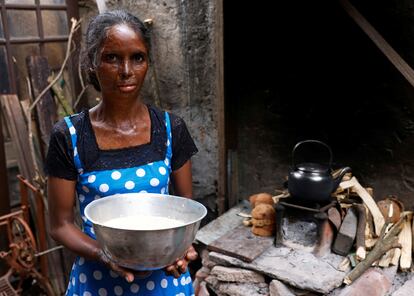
point(24, 197)
point(36, 40)
point(49, 251)
point(298, 207)
point(40, 217)
point(26, 183)
point(35, 6)
point(10, 65)
point(16, 213)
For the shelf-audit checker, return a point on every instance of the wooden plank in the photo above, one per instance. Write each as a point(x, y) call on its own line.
point(4, 193)
point(219, 83)
point(17, 126)
point(241, 243)
point(405, 240)
point(38, 70)
point(379, 220)
point(380, 42)
point(222, 224)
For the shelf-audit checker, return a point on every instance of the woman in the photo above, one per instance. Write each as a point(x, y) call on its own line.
point(119, 146)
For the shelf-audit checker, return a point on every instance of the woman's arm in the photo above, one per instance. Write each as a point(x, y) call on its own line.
point(182, 180)
point(61, 199)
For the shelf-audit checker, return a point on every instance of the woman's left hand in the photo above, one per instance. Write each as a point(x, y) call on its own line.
point(180, 265)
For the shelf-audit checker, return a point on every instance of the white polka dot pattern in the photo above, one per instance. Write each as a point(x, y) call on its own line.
point(81, 261)
point(154, 182)
point(75, 151)
point(150, 285)
point(116, 175)
point(102, 292)
point(164, 283)
point(113, 274)
point(91, 178)
point(140, 172)
point(95, 279)
point(81, 197)
point(134, 288)
point(103, 188)
point(162, 170)
point(97, 275)
point(82, 278)
point(72, 130)
point(118, 290)
point(129, 185)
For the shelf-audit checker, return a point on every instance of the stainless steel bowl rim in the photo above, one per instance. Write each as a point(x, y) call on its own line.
point(140, 195)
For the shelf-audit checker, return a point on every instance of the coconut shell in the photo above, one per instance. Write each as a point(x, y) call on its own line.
point(259, 198)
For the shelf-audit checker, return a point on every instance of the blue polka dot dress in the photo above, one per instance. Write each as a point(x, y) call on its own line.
point(93, 278)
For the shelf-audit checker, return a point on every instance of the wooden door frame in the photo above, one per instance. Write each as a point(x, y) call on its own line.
point(222, 203)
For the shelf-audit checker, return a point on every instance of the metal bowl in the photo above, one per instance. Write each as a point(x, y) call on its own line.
point(145, 249)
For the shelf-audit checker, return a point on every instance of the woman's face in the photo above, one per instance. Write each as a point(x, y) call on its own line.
point(123, 63)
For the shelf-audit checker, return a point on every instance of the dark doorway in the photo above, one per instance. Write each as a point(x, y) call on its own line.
point(304, 70)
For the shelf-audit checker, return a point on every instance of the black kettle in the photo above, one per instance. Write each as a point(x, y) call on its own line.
point(313, 182)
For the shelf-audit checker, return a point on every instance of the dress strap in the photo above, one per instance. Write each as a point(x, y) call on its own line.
point(74, 139)
point(169, 136)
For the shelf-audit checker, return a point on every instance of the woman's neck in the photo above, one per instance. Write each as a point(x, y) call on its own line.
point(118, 115)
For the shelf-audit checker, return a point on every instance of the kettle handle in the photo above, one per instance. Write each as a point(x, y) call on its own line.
point(315, 142)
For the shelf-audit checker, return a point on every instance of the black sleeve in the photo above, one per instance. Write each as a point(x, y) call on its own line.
point(59, 159)
point(182, 144)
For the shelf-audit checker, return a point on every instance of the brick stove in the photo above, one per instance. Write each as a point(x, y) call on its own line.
point(298, 263)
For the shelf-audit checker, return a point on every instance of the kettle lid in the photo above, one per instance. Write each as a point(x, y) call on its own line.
point(311, 167)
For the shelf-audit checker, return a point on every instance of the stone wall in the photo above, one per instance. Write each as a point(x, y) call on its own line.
point(182, 76)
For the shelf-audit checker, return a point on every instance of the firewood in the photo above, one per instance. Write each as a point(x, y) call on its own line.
point(387, 241)
point(385, 260)
point(396, 258)
point(368, 200)
point(360, 234)
point(405, 239)
point(346, 235)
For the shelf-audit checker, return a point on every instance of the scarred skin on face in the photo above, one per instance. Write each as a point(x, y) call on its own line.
point(121, 119)
point(123, 63)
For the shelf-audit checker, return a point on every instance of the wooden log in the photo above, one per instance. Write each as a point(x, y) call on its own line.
point(368, 200)
point(405, 239)
point(386, 260)
point(17, 126)
point(38, 70)
point(360, 234)
point(396, 258)
point(387, 240)
point(346, 235)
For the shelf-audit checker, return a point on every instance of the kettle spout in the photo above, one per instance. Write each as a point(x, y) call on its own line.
point(338, 179)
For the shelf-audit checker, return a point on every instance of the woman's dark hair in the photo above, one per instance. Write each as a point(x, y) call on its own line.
point(96, 33)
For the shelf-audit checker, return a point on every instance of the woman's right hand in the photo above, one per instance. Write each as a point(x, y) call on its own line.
point(124, 272)
point(128, 274)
